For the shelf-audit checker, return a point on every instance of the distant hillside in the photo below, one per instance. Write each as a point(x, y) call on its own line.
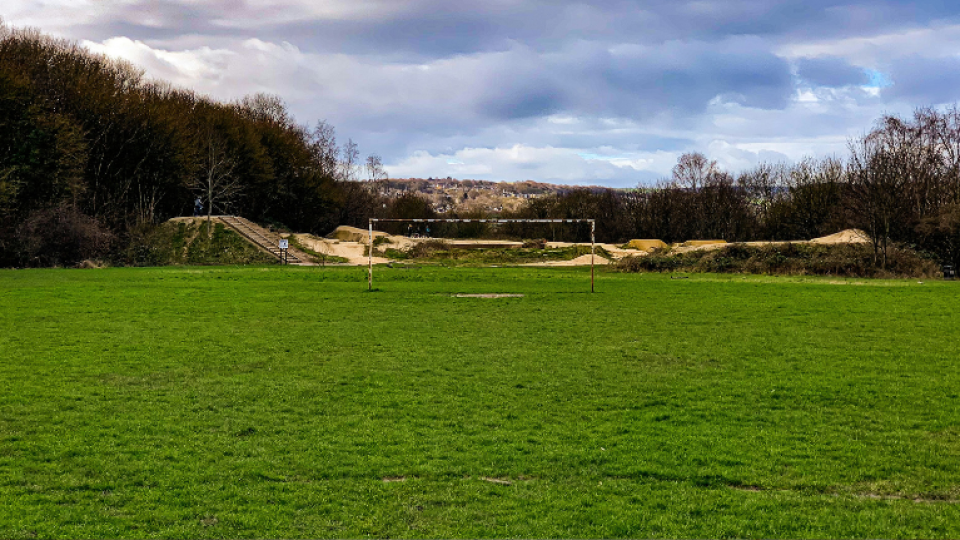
point(449, 194)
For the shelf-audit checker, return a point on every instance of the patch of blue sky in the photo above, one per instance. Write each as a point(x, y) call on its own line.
point(877, 79)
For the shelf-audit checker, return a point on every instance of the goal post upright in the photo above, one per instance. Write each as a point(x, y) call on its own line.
point(592, 222)
point(370, 259)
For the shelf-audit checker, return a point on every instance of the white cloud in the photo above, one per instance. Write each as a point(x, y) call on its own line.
point(228, 73)
point(877, 50)
point(572, 92)
point(192, 69)
point(51, 14)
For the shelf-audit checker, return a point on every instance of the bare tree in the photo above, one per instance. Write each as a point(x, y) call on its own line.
point(763, 185)
point(217, 181)
point(946, 128)
point(145, 206)
point(877, 187)
point(810, 204)
point(266, 108)
point(693, 171)
point(323, 145)
point(375, 171)
point(349, 162)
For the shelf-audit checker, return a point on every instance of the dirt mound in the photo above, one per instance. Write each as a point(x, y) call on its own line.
point(849, 236)
point(352, 251)
point(647, 245)
point(701, 243)
point(345, 233)
point(614, 251)
point(583, 260)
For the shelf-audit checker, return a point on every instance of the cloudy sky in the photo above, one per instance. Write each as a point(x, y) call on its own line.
point(605, 92)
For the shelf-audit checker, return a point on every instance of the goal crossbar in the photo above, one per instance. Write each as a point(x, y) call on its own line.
point(592, 222)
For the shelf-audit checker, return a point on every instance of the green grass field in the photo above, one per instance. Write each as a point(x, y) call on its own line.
point(290, 403)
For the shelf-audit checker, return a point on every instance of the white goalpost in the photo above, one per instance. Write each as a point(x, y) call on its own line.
point(592, 222)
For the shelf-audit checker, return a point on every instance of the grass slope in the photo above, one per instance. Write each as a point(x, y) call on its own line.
point(273, 402)
point(189, 243)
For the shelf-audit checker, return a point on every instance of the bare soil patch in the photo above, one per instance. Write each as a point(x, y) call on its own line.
point(489, 295)
point(499, 481)
point(894, 497)
point(583, 260)
point(849, 236)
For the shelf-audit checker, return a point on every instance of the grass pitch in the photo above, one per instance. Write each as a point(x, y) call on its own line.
point(289, 402)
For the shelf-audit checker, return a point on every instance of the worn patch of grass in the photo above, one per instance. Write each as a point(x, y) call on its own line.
point(288, 402)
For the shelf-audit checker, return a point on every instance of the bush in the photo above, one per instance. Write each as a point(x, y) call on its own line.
point(427, 249)
point(537, 243)
point(62, 236)
point(154, 245)
point(845, 260)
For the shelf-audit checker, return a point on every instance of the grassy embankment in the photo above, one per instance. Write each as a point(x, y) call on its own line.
point(288, 402)
point(190, 243)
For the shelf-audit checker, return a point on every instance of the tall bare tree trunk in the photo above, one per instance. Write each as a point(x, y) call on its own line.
point(209, 206)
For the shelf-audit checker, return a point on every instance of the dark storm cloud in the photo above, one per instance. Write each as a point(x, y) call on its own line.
point(831, 71)
point(590, 80)
point(442, 28)
point(524, 103)
point(158, 20)
point(687, 76)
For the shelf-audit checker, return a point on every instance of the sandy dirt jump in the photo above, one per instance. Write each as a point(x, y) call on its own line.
point(350, 243)
point(583, 260)
point(849, 236)
point(615, 251)
point(345, 233)
point(353, 252)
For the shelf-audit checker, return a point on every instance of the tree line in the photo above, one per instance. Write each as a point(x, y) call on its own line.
point(93, 154)
point(900, 183)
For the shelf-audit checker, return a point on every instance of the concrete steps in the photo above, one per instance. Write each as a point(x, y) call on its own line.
point(265, 240)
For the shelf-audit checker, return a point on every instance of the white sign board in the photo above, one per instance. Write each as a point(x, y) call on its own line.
point(283, 244)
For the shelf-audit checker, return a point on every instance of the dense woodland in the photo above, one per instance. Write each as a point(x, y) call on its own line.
point(94, 157)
